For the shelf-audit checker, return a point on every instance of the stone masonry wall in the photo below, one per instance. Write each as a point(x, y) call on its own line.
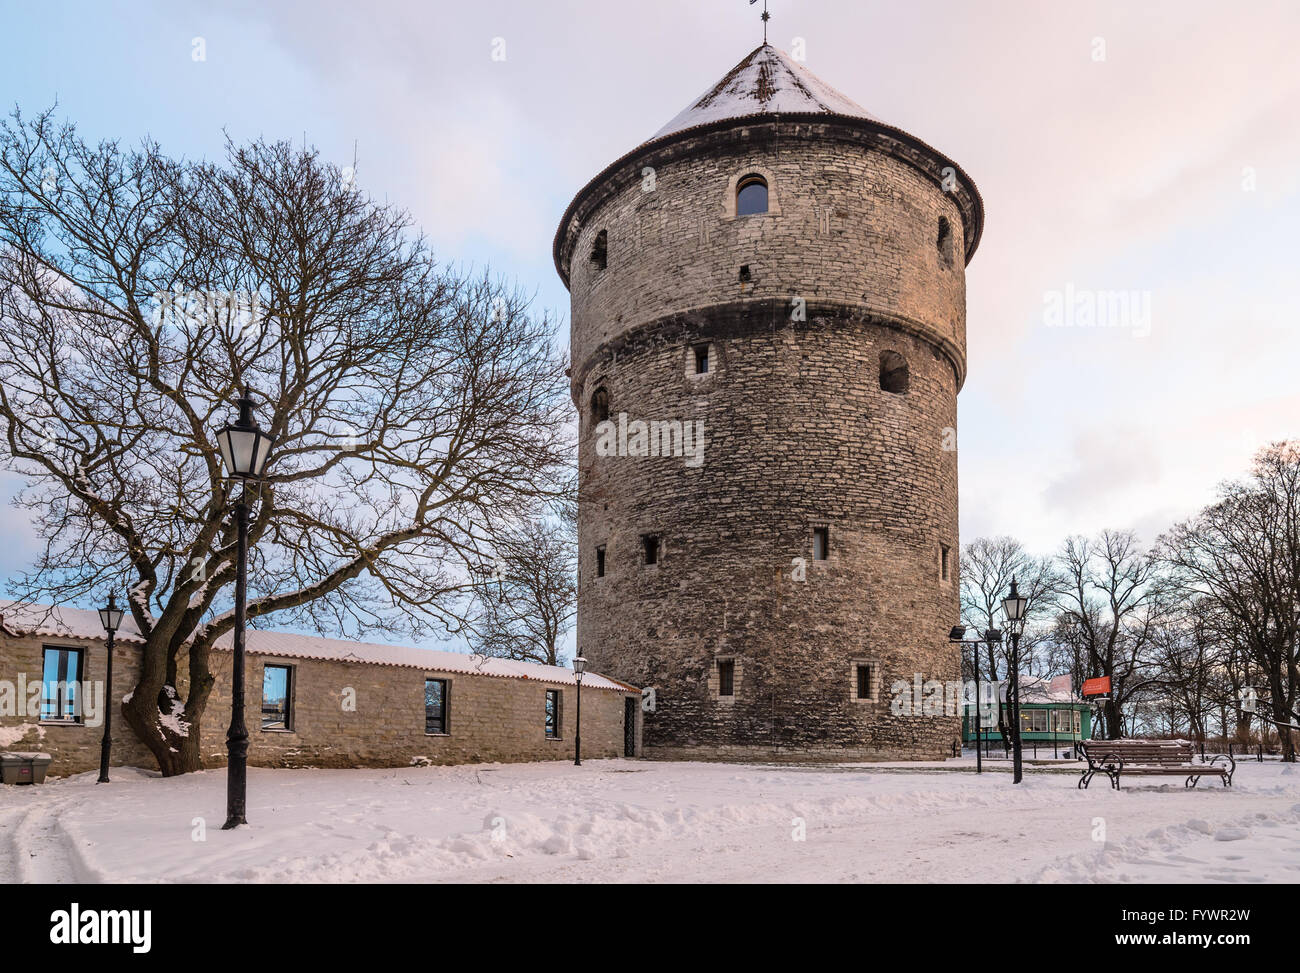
point(846, 224)
point(798, 434)
point(74, 747)
point(490, 718)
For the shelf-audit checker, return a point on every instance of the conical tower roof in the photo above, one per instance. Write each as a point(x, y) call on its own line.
point(766, 82)
point(770, 86)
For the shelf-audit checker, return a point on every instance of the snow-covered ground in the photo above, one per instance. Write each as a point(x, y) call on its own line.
point(639, 821)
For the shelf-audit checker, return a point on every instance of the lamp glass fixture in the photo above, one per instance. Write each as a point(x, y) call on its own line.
point(110, 616)
point(244, 447)
point(1013, 605)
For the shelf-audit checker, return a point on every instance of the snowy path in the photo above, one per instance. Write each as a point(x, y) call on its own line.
point(629, 821)
point(34, 847)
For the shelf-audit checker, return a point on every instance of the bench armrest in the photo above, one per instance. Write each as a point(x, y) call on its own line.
point(1232, 763)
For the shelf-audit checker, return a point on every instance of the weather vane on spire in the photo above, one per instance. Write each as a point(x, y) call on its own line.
point(766, 17)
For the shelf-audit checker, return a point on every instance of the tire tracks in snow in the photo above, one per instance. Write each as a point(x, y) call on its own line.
point(39, 849)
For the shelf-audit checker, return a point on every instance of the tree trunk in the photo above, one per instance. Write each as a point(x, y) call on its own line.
point(1004, 730)
point(1112, 720)
point(1280, 714)
point(176, 752)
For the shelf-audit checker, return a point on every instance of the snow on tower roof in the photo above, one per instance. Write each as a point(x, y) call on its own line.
point(60, 622)
point(766, 82)
point(768, 85)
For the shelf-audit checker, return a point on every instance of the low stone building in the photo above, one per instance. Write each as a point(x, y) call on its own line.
point(309, 701)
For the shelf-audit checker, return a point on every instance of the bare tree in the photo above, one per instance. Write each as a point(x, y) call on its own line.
point(1187, 680)
point(1105, 611)
point(1065, 650)
point(988, 565)
point(527, 595)
point(1242, 553)
point(415, 411)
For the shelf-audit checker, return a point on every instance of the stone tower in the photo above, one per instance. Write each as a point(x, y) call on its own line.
point(768, 338)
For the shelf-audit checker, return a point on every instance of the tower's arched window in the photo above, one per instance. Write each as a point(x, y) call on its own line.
point(600, 251)
point(893, 372)
point(944, 242)
point(599, 405)
point(751, 196)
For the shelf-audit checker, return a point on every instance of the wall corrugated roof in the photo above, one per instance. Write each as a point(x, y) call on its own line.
point(61, 622)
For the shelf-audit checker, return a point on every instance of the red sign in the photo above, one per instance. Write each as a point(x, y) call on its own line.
point(1096, 687)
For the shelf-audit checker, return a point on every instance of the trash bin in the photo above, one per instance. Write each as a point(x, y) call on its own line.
point(24, 768)
point(10, 765)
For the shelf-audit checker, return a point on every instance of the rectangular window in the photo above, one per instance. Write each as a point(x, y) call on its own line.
point(61, 677)
point(435, 706)
point(864, 682)
point(277, 701)
point(1033, 721)
point(821, 543)
point(944, 569)
point(726, 677)
point(701, 359)
point(553, 713)
point(600, 561)
point(650, 543)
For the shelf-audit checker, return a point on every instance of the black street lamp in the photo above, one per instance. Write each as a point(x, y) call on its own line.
point(991, 636)
point(244, 451)
point(1013, 606)
point(958, 636)
point(110, 616)
point(579, 667)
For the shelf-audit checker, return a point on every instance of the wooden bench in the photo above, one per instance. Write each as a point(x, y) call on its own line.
point(1149, 758)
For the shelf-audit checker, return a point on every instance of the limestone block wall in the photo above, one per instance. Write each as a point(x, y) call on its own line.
point(847, 223)
point(74, 747)
point(798, 435)
point(491, 719)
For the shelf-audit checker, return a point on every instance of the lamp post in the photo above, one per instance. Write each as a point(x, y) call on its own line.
point(1013, 606)
point(244, 451)
point(579, 667)
point(958, 636)
point(110, 616)
point(991, 636)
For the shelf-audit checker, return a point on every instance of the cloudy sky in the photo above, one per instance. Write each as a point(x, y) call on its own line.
point(1124, 148)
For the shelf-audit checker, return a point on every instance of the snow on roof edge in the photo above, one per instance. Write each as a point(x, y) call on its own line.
point(59, 622)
